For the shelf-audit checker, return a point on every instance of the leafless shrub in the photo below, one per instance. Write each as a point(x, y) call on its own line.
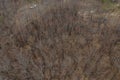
point(60, 44)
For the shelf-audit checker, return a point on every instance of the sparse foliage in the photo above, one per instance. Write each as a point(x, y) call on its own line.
point(62, 43)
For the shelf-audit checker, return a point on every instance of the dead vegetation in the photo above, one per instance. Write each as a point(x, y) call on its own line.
point(61, 44)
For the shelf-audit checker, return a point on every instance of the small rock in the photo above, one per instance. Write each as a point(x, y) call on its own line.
point(33, 6)
point(92, 11)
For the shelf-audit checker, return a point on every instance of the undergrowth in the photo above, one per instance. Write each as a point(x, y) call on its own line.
point(1, 19)
point(108, 4)
point(32, 1)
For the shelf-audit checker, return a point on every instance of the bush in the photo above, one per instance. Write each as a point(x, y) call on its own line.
point(60, 44)
point(1, 19)
point(108, 5)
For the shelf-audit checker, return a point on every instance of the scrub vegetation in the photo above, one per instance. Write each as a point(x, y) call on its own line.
point(59, 40)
